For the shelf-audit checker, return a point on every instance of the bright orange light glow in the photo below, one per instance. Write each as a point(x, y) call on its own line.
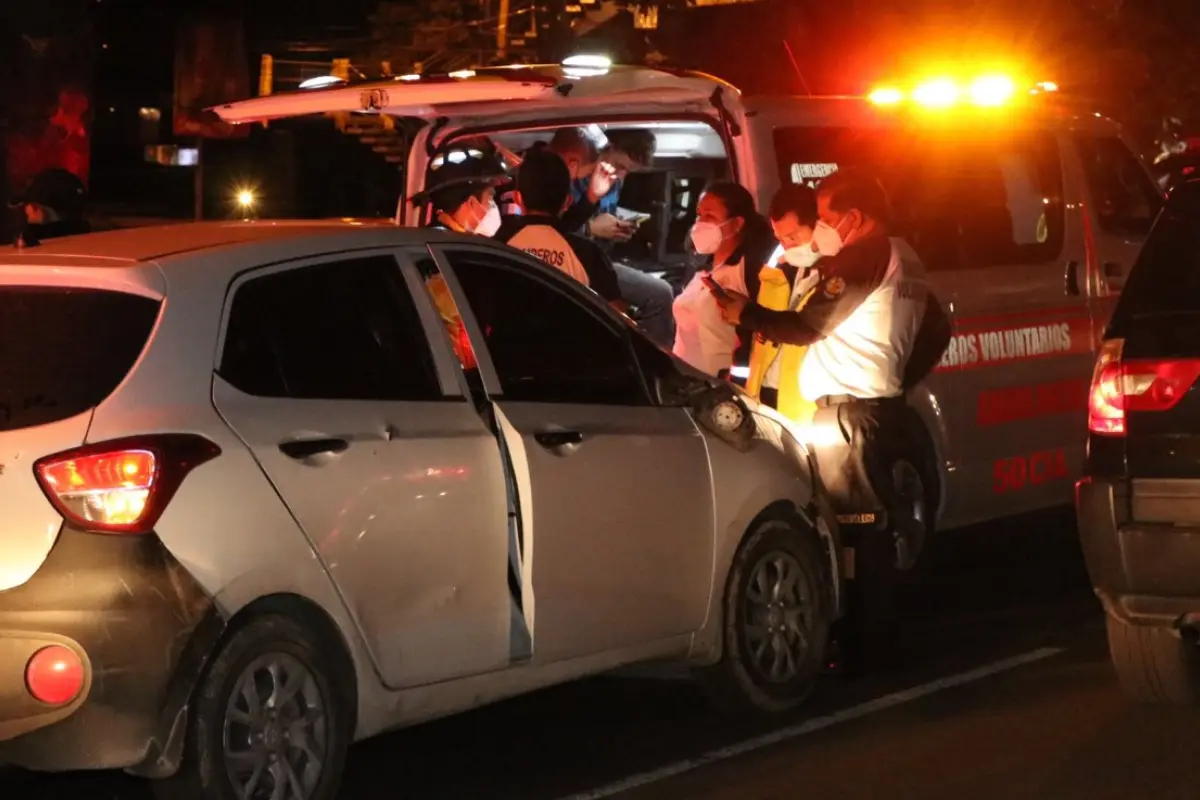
point(886, 96)
point(992, 90)
point(938, 93)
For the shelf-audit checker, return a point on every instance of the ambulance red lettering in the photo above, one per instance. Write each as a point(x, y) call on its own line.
point(991, 344)
point(1016, 473)
point(1026, 402)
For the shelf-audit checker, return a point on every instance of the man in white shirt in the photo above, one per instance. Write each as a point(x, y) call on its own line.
point(874, 331)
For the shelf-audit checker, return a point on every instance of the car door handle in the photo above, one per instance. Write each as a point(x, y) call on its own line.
point(1113, 270)
point(301, 449)
point(1071, 279)
point(555, 439)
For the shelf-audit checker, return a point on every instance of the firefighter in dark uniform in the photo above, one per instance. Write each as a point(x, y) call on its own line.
point(873, 331)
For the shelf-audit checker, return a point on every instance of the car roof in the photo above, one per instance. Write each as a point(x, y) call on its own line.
point(121, 248)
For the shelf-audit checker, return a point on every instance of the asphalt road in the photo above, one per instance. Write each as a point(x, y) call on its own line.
point(1001, 690)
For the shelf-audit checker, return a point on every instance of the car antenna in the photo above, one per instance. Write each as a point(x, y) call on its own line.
point(796, 66)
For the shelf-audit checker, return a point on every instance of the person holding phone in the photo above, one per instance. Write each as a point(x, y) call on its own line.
point(737, 241)
point(873, 330)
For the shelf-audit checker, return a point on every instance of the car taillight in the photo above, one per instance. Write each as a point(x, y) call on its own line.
point(1119, 387)
point(124, 485)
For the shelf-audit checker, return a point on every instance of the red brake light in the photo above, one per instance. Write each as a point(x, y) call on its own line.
point(1119, 387)
point(121, 486)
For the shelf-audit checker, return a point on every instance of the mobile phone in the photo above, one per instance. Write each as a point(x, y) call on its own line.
point(716, 288)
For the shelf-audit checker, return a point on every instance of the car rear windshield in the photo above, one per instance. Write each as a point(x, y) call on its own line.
point(63, 350)
point(1166, 278)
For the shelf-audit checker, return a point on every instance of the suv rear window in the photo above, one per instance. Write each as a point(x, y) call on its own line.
point(962, 201)
point(1166, 278)
point(62, 351)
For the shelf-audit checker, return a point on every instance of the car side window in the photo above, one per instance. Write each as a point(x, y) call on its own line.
point(546, 346)
point(1126, 200)
point(341, 330)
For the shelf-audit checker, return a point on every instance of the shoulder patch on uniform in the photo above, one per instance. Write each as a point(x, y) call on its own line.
point(834, 287)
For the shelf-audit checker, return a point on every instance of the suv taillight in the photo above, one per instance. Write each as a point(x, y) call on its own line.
point(1119, 387)
point(124, 485)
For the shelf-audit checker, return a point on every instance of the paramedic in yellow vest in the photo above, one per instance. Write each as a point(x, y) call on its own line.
point(784, 284)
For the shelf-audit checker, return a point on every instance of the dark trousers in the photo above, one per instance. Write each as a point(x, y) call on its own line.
point(769, 397)
point(856, 468)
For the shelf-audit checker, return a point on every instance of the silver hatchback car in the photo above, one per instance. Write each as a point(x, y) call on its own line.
point(271, 488)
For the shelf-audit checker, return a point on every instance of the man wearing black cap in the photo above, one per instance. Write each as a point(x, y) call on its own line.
point(460, 189)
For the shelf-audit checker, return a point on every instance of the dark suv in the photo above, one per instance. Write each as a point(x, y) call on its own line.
point(1139, 504)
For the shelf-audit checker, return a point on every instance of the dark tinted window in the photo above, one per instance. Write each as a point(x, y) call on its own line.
point(62, 351)
point(547, 346)
point(1166, 277)
point(345, 330)
point(1125, 199)
point(962, 201)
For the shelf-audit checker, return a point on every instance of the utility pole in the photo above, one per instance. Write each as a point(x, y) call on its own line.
point(502, 31)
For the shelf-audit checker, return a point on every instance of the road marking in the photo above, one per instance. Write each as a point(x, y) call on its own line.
point(813, 725)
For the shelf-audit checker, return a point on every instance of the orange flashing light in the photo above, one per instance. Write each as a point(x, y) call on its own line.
point(986, 91)
point(938, 93)
point(886, 96)
point(992, 90)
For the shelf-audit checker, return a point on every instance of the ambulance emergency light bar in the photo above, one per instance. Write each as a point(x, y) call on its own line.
point(987, 91)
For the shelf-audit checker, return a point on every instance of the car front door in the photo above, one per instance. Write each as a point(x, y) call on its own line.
point(327, 374)
point(615, 491)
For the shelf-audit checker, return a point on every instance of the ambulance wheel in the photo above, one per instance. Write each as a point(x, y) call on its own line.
point(777, 611)
point(915, 478)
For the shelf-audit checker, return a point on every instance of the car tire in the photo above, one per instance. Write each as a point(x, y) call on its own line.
point(776, 615)
point(1153, 664)
point(236, 727)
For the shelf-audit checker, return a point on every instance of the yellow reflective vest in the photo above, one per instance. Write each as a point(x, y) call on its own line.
point(774, 293)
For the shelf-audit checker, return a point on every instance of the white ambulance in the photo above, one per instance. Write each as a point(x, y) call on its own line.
point(1027, 213)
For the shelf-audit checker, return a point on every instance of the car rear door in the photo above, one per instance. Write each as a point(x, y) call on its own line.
point(615, 491)
point(67, 341)
point(329, 374)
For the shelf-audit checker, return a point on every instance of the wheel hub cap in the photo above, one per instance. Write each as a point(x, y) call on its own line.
point(276, 731)
point(777, 618)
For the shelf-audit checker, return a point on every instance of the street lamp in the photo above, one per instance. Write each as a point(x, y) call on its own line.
point(245, 200)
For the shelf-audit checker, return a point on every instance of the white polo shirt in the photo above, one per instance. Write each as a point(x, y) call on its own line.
point(860, 323)
point(702, 336)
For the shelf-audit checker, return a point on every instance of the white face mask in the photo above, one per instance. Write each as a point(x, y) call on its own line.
point(826, 240)
point(801, 257)
point(707, 237)
point(490, 222)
